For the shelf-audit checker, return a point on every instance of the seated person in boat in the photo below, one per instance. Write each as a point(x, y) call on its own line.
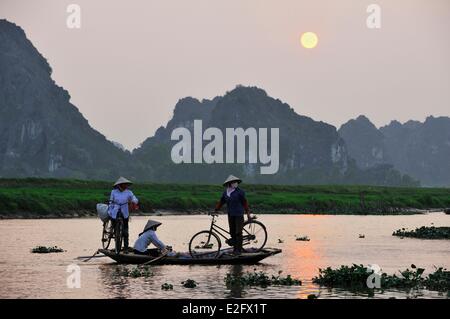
point(147, 237)
point(122, 200)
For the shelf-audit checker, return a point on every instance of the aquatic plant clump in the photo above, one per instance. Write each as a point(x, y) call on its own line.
point(166, 286)
point(303, 238)
point(260, 279)
point(439, 280)
point(189, 283)
point(424, 232)
point(356, 276)
point(46, 250)
point(136, 272)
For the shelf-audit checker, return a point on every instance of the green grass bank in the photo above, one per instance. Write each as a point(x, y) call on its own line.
point(40, 198)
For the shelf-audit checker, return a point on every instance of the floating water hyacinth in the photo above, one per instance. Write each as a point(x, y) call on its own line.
point(166, 286)
point(136, 272)
point(303, 238)
point(261, 279)
point(355, 277)
point(424, 232)
point(189, 283)
point(46, 250)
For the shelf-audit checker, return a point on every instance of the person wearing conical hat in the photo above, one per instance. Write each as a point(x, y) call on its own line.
point(122, 200)
point(237, 204)
point(147, 237)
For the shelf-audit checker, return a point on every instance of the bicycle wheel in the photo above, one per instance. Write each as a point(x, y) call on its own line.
point(254, 236)
point(205, 243)
point(118, 235)
point(106, 238)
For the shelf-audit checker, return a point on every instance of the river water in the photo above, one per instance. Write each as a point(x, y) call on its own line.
point(334, 241)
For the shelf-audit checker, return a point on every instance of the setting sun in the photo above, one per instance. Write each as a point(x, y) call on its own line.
point(309, 40)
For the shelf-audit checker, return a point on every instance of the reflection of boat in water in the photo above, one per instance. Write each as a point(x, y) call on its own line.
point(224, 258)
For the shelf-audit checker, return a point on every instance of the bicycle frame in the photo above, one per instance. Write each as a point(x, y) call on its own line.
point(215, 232)
point(217, 229)
point(111, 231)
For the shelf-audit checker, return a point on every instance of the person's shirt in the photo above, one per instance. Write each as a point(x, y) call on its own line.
point(236, 202)
point(147, 238)
point(119, 200)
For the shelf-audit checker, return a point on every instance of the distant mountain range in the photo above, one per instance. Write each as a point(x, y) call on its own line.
point(421, 150)
point(41, 132)
point(43, 135)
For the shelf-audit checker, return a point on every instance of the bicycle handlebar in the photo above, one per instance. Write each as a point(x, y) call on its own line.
point(215, 214)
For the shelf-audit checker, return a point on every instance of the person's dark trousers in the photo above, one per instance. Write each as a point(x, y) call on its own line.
point(236, 223)
point(125, 231)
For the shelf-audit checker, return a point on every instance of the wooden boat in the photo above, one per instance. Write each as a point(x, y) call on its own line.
point(225, 258)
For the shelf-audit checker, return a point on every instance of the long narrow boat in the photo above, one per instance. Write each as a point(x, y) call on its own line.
point(224, 258)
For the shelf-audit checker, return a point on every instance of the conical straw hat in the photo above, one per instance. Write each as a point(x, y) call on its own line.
point(150, 224)
point(122, 180)
point(232, 178)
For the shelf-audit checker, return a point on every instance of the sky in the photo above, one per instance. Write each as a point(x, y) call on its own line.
point(131, 61)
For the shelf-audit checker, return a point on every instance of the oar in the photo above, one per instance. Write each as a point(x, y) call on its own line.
point(157, 258)
point(90, 257)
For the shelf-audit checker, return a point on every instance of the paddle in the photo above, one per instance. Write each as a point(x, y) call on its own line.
point(90, 257)
point(157, 258)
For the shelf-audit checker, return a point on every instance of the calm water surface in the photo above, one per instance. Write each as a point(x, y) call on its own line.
point(334, 242)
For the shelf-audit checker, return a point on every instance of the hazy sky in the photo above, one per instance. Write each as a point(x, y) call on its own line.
point(131, 61)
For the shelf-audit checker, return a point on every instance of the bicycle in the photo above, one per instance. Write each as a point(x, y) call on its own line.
point(207, 242)
point(117, 232)
point(107, 234)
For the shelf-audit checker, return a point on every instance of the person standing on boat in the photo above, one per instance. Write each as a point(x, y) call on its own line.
point(122, 199)
point(147, 237)
point(237, 204)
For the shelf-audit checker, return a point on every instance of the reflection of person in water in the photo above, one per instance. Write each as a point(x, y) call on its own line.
point(236, 289)
point(147, 237)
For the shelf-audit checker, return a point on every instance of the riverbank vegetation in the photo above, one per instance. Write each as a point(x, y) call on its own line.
point(36, 198)
point(424, 232)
